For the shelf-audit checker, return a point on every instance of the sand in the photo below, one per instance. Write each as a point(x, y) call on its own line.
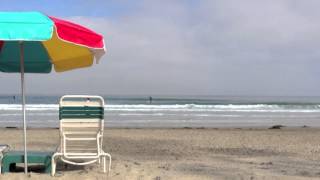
point(161, 154)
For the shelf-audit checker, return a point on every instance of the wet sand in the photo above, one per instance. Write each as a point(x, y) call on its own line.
point(161, 154)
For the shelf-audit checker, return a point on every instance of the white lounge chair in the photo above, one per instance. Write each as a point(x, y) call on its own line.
point(3, 149)
point(81, 131)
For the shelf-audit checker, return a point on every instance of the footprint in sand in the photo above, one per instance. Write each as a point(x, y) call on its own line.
point(128, 167)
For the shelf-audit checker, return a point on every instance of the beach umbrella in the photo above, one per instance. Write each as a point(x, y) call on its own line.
point(32, 42)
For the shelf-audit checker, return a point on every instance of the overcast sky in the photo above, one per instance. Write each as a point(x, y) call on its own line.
point(214, 47)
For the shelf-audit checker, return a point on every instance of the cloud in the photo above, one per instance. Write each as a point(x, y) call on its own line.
point(201, 48)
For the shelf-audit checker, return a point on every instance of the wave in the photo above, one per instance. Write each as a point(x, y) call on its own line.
point(180, 107)
point(30, 107)
point(216, 108)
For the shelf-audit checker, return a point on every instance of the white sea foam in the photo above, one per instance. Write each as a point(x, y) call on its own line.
point(30, 107)
point(141, 114)
point(215, 108)
point(177, 108)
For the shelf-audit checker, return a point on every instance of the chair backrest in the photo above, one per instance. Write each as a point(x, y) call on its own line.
point(81, 125)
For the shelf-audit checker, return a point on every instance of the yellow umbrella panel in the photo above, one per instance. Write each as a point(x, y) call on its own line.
point(66, 56)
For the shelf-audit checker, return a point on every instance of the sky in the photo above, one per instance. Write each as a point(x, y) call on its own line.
point(187, 47)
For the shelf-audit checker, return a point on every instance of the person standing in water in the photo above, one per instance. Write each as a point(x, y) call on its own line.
point(150, 99)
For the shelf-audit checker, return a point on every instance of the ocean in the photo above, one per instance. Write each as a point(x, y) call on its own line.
point(174, 112)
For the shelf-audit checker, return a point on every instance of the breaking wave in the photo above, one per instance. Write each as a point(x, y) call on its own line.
point(181, 107)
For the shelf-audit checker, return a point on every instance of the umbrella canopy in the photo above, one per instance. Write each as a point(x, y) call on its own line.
point(31, 42)
point(48, 41)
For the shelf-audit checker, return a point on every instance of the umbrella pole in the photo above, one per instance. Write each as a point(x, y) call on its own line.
point(23, 106)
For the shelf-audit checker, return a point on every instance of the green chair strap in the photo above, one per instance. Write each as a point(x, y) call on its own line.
point(81, 112)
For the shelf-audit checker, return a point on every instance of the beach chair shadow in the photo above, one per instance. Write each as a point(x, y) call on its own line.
point(81, 132)
point(31, 168)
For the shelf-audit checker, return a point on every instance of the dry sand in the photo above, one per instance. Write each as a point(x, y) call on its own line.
point(161, 154)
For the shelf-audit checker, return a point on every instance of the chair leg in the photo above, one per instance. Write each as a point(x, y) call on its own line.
point(104, 163)
point(104, 159)
point(53, 165)
point(109, 165)
point(1, 156)
point(109, 168)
